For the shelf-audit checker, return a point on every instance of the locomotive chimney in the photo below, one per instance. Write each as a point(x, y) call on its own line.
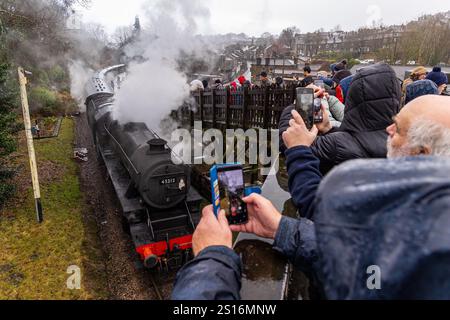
point(157, 145)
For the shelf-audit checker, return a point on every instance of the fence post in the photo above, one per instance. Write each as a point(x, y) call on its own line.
point(214, 120)
point(227, 109)
point(266, 108)
point(201, 100)
point(244, 109)
point(294, 95)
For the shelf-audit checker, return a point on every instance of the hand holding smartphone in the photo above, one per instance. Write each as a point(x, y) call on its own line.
point(228, 190)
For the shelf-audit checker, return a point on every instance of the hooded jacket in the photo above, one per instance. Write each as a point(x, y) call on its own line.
point(373, 100)
point(379, 224)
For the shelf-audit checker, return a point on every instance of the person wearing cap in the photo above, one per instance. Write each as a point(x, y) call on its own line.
point(196, 85)
point(337, 78)
point(247, 84)
point(419, 73)
point(340, 66)
point(439, 78)
point(323, 75)
point(420, 88)
point(308, 79)
point(218, 84)
point(264, 79)
point(279, 82)
point(340, 75)
point(205, 84)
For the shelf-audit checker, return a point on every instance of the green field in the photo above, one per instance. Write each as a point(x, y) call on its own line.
point(34, 258)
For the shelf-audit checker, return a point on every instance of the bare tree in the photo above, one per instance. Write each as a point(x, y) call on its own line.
point(427, 40)
point(122, 36)
point(287, 36)
point(97, 32)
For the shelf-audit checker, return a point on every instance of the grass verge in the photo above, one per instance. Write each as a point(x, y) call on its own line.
point(34, 258)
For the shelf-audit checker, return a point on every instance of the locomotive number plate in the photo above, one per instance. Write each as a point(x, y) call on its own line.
point(168, 181)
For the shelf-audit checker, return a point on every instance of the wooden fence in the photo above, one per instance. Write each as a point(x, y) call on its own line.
point(225, 109)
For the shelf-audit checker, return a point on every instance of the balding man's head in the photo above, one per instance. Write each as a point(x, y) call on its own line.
point(421, 128)
point(431, 107)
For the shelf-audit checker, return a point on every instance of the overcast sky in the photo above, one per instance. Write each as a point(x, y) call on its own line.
point(257, 16)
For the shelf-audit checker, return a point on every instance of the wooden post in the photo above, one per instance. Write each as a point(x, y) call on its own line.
point(191, 118)
point(266, 108)
point(214, 120)
point(244, 109)
point(31, 152)
point(201, 100)
point(227, 109)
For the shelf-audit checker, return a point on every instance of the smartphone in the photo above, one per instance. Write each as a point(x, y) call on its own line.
point(308, 107)
point(305, 105)
point(228, 190)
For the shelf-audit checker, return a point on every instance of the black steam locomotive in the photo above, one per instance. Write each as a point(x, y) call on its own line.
point(159, 204)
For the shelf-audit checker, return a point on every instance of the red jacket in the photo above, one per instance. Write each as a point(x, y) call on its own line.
point(340, 93)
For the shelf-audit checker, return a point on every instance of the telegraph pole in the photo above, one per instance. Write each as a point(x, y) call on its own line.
point(31, 153)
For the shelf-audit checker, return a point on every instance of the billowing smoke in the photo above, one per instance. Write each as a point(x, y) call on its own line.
point(158, 85)
point(79, 76)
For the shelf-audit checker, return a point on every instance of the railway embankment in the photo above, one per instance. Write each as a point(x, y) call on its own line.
point(35, 258)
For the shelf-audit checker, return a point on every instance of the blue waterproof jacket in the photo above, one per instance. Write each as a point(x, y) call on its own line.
point(345, 85)
point(392, 216)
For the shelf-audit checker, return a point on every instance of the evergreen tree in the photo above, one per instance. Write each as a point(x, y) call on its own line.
point(8, 130)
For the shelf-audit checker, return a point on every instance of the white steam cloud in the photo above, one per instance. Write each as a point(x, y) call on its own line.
point(79, 76)
point(156, 86)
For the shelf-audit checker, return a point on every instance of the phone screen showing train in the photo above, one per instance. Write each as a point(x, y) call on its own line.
point(305, 105)
point(232, 190)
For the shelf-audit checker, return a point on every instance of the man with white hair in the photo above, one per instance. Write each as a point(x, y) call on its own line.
point(421, 128)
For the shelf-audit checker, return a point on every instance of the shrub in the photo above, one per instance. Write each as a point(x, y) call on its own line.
point(58, 77)
point(42, 77)
point(68, 104)
point(6, 188)
point(8, 129)
point(44, 101)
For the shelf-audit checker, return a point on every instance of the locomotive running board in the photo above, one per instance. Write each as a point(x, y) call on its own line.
point(121, 182)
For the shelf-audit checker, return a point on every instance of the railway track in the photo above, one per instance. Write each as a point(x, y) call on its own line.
point(156, 289)
point(162, 284)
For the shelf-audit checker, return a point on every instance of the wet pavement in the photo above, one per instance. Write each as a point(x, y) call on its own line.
point(266, 274)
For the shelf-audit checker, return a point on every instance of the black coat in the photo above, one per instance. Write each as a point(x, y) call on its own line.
point(373, 100)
